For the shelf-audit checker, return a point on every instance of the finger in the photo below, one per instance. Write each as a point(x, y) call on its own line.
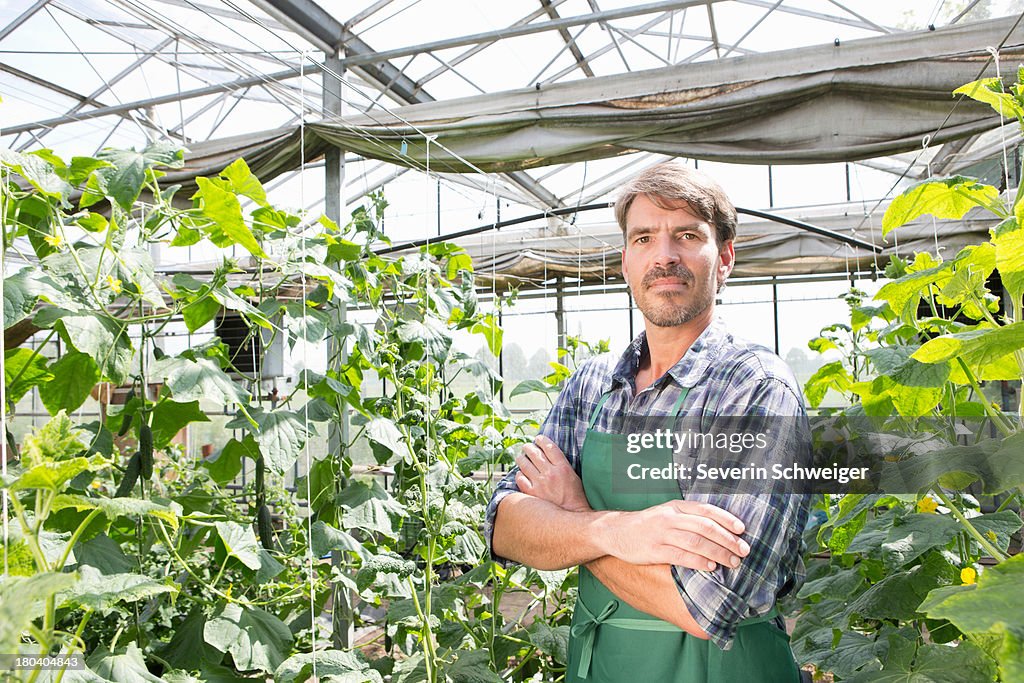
point(536, 456)
point(551, 450)
point(712, 553)
point(712, 531)
point(526, 466)
point(725, 519)
point(681, 558)
point(524, 484)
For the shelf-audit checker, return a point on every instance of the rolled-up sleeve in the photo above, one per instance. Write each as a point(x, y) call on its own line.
point(559, 426)
point(774, 520)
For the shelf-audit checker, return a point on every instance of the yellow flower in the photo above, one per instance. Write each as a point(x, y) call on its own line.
point(991, 535)
point(115, 284)
point(53, 240)
point(927, 505)
point(968, 576)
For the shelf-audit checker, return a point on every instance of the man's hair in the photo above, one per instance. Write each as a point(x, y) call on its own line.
point(671, 182)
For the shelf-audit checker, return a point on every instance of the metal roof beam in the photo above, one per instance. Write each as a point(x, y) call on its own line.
point(22, 18)
point(368, 12)
point(314, 24)
point(570, 42)
point(529, 29)
point(607, 48)
point(845, 21)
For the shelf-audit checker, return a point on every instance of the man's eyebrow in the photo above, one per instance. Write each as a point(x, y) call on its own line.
point(647, 229)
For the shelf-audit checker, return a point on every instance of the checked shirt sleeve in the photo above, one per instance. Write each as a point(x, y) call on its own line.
point(774, 521)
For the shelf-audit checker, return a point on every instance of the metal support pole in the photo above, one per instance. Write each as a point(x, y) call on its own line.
point(338, 437)
point(775, 311)
point(560, 317)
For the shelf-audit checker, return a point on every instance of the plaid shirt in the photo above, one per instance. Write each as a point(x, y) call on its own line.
point(725, 377)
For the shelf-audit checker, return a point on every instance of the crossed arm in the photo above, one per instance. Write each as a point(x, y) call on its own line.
point(550, 525)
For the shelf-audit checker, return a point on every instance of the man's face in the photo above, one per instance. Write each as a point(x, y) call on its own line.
point(672, 262)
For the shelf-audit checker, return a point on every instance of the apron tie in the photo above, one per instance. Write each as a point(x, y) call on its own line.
point(587, 630)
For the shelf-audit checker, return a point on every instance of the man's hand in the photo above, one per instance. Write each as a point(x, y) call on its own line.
point(545, 473)
point(688, 534)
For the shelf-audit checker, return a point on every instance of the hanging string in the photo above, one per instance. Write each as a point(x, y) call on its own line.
point(4, 180)
point(305, 364)
point(994, 51)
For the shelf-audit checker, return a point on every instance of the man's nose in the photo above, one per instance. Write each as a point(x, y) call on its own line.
point(666, 253)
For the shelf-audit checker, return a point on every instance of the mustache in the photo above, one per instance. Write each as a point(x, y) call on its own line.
point(678, 271)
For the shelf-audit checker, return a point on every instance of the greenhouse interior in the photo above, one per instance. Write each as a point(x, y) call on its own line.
point(315, 315)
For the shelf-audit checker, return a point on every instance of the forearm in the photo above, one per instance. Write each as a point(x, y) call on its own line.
point(542, 535)
point(649, 588)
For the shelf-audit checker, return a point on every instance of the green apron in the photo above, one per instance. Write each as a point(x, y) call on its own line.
point(611, 642)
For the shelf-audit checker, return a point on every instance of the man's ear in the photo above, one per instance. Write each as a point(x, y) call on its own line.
point(625, 276)
point(726, 261)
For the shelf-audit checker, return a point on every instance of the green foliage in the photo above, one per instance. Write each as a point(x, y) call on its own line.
point(171, 581)
point(896, 600)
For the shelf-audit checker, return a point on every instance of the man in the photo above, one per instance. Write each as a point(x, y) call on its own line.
point(679, 586)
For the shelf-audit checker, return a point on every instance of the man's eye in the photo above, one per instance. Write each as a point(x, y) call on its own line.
point(643, 239)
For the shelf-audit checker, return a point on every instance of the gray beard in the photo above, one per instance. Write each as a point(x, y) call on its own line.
point(659, 310)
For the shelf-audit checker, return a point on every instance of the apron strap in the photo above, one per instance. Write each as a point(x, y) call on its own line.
point(679, 401)
point(586, 629)
point(597, 410)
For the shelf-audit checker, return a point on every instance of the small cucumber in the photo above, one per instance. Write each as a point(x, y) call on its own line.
point(126, 421)
point(146, 451)
point(131, 476)
point(264, 524)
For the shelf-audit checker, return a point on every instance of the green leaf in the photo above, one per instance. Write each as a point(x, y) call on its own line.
point(1010, 261)
point(829, 376)
point(990, 91)
point(22, 601)
point(105, 555)
point(996, 464)
point(122, 181)
point(30, 370)
point(55, 475)
point(226, 225)
point(74, 376)
point(254, 638)
point(899, 594)
point(916, 534)
point(531, 385)
point(200, 379)
point(243, 181)
point(430, 334)
point(966, 663)
point(369, 507)
point(103, 338)
point(384, 431)
point(104, 593)
point(837, 582)
point(473, 666)
point(488, 327)
point(200, 312)
point(170, 417)
point(551, 640)
point(19, 297)
point(117, 507)
point(853, 652)
point(123, 666)
point(188, 645)
point(977, 348)
point(305, 323)
point(280, 437)
point(326, 539)
point(332, 666)
point(998, 527)
point(37, 171)
point(228, 462)
point(240, 542)
point(904, 293)
point(995, 603)
point(942, 198)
